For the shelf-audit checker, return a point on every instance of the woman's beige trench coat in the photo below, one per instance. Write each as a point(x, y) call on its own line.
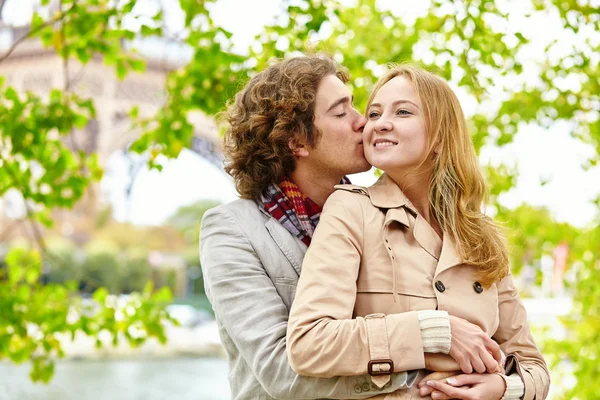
point(371, 243)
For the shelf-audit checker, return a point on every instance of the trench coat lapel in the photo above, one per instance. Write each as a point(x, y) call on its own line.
point(427, 238)
point(396, 215)
point(386, 194)
point(449, 257)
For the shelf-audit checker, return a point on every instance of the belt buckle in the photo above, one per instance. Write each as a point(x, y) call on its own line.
point(383, 361)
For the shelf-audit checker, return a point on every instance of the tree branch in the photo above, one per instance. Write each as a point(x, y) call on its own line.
point(32, 32)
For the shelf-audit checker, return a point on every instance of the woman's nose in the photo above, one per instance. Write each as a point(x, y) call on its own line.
point(383, 125)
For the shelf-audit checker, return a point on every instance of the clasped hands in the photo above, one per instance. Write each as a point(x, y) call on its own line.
point(479, 358)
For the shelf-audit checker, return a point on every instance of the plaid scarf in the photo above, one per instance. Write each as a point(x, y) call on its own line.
point(292, 209)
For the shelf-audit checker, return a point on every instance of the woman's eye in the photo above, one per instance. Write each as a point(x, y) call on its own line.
point(403, 111)
point(341, 115)
point(373, 114)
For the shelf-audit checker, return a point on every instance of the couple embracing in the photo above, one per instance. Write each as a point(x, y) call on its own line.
point(323, 289)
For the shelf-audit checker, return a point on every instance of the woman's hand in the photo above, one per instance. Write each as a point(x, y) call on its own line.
point(472, 348)
point(465, 387)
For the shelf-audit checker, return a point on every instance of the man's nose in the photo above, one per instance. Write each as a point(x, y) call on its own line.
point(360, 123)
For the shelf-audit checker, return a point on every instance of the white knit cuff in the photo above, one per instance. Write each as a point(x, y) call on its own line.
point(514, 387)
point(435, 331)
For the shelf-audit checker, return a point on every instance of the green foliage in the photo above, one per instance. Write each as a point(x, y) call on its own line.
point(36, 318)
point(63, 265)
point(135, 274)
point(46, 172)
point(101, 269)
point(476, 45)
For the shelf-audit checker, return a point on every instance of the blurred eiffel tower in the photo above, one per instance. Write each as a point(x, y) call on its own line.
point(32, 67)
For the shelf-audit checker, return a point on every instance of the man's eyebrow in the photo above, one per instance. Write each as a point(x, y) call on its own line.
point(345, 99)
point(395, 103)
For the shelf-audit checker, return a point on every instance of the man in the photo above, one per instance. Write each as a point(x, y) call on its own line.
point(293, 134)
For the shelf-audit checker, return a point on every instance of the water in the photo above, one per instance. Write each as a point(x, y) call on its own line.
point(179, 378)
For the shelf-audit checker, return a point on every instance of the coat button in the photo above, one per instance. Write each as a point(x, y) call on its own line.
point(357, 389)
point(478, 288)
point(440, 286)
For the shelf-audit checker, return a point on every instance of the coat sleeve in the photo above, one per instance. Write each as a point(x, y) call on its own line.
point(515, 340)
point(255, 317)
point(323, 338)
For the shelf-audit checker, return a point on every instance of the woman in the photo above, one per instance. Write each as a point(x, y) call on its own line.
point(391, 265)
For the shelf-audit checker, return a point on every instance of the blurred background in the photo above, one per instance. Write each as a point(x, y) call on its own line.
point(110, 154)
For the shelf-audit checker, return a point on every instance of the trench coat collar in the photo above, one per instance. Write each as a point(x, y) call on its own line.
point(385, 193)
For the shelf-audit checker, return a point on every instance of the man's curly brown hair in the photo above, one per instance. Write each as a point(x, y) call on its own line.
point(274, 109)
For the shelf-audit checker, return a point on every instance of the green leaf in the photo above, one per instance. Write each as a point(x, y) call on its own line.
point(36, 20)
point(137, 65)
point(100, 295)
point(134, 112)
point(121, 69)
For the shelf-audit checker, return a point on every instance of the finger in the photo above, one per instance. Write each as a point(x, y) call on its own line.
point(491, 365)
point(453, 392)
point(478, 364)
point(465, 366)
point(425, 391)
point(440, 396)
point(493, 348)
point(464, 380)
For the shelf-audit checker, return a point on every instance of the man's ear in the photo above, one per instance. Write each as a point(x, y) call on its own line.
point(298, 149)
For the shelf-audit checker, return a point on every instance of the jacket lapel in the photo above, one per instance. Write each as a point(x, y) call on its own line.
point(396, 215)
point(293, 251)
point(427, 238)
point(449, 257)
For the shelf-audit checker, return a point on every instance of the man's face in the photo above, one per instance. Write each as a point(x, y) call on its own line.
point(339, 149)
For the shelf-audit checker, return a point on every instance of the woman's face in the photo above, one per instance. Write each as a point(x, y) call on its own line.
point(395, 136)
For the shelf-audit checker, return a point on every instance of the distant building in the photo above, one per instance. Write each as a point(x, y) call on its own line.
point(31, 67)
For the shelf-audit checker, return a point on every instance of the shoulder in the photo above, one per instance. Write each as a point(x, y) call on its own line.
point(237, 210)
point(239, 215)
point(349, 196)
point(347, 202)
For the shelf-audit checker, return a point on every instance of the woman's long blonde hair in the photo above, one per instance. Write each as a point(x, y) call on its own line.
point(457, 190)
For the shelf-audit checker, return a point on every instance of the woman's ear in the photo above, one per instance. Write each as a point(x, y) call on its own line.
point(298, 149)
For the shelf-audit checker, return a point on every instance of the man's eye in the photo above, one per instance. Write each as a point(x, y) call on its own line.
point(341, 115)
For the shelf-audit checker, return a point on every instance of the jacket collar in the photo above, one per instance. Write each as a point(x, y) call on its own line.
point(385, 193)
point(290, 246)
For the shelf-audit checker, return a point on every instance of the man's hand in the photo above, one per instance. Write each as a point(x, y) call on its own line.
point(472, 348)
point(465, 387)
